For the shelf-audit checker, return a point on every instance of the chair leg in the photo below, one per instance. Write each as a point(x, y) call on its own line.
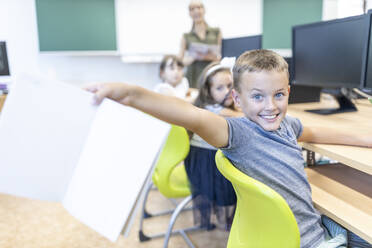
point(176, 212)
point(144, 214)
point(172, 221)
point(187, 239)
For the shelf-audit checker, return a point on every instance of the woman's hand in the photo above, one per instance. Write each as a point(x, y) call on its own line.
point(188, 60)
point(211, 56)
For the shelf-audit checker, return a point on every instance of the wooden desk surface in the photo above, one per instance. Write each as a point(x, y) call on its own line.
point(345, 195)
point(359, 158)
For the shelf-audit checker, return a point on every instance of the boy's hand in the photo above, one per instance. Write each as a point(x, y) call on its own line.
point(119, 92)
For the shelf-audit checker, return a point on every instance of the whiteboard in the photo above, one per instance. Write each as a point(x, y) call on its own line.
point(146, 27)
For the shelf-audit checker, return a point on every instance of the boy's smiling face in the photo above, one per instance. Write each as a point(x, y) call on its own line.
point(263, 97)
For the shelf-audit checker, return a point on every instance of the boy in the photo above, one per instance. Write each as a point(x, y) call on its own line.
point(263, 144)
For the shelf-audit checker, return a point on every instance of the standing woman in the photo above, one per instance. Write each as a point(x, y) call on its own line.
point(201, 45)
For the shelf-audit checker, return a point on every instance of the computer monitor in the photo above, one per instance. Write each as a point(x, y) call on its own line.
point(301, 93)
point(4, 66)
point(368, 75)
point(331, 54)
point(234, 47)
point(368, 84)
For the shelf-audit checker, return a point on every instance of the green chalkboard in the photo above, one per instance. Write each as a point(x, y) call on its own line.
point(76, 25)
point(280, 15)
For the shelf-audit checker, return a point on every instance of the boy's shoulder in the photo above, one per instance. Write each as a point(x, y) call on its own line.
point(293, 124)
point(292, 121)
point(241, 126)
point(289, 118)
point(244, 121)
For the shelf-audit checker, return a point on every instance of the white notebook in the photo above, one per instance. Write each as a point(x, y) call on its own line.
point(56, 146)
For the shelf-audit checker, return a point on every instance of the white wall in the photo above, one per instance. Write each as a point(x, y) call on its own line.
point(19, 29)
point(156, 27)
point(333, 9)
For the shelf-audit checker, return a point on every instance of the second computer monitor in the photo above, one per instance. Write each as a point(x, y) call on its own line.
point(368, 84)
point(4, 66)
point(368, 79)
point(330, 54)
point(234, 47)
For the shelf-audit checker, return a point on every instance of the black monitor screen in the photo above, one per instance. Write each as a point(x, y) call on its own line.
point(368, 82)
point(234, 47)
point(4, 67)
point(330, 54)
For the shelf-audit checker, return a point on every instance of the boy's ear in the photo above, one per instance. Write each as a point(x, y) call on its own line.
point(236, 98)
point(289, 89)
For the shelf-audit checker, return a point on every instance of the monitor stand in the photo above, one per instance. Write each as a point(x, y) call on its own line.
point(345, 105)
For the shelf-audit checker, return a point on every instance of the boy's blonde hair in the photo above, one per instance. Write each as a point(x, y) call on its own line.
point(256, 61)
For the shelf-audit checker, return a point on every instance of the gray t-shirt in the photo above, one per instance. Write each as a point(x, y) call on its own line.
point(275, 159)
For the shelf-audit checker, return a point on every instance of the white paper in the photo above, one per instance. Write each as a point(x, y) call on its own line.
point(55, 145)
point(43, 127)
point(113, 167)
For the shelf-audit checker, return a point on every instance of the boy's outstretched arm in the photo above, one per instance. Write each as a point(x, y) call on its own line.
point(331, 136)
point(211, 127)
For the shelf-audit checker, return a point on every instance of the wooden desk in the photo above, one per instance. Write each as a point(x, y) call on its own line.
point(342, 192)
point(359, 158)
point(2, 100)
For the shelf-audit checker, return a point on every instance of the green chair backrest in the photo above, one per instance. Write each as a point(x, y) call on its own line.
point(170, 177)
point(262, 218)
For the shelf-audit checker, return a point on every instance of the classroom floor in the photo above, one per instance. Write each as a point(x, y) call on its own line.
point(28, 223)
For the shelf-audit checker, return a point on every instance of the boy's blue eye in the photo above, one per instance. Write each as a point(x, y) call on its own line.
point(257, 97)
point(280, 94)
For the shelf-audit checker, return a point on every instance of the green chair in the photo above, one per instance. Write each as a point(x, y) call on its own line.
point(262, 217)
point(171, 180)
